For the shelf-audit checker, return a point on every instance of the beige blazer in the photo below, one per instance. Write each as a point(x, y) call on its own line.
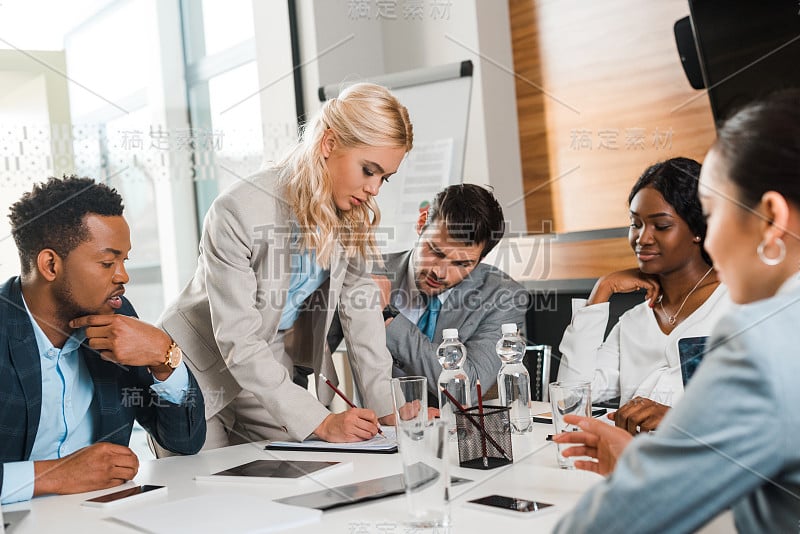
point(226, 319)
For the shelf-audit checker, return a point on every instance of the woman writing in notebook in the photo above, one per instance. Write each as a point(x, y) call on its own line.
point(638, 361)
point(279, 252)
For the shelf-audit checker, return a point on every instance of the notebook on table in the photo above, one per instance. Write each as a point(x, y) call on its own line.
point(381, 444)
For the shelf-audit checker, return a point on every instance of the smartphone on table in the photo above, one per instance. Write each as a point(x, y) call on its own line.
point(511, 505)
point(129, 495)
point(547, 417)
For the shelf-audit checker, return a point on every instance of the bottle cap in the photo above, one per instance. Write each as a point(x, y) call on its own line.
point(450, 333)
point(509, 328)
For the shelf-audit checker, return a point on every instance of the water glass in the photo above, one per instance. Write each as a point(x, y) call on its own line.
point(569, 398)
point(424, 453)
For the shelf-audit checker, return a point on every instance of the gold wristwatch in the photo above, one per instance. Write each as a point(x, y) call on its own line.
point(174, 356)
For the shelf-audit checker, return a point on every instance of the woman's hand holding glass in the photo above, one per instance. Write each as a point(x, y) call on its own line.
point(596, 439)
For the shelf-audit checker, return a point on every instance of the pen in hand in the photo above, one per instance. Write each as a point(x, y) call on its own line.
point(343, 396)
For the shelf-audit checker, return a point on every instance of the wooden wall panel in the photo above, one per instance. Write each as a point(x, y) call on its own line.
point(613, 100)
point(532, 119)
point(548, 258)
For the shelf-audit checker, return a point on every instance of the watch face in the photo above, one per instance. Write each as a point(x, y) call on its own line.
point(175, 357)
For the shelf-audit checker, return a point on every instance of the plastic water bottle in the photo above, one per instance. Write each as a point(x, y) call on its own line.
point(452, 354)
point(513, 380)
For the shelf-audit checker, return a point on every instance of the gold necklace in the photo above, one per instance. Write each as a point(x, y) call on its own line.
point(672, 318)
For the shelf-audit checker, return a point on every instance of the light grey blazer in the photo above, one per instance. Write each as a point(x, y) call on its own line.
point(732, 440)
point(477, 307)
point(226, 319)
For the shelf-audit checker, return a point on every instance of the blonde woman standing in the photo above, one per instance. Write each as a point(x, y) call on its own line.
point(279, 252)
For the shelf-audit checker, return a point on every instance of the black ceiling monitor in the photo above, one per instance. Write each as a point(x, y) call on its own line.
point(687, 50)
point(746, 49)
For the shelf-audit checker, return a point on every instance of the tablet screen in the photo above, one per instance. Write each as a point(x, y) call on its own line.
point(367, 490)
point(276, 469)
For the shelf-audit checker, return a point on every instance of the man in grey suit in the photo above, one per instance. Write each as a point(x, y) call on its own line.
point(441, 283)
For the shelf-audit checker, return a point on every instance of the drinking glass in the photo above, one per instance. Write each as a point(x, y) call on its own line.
point(569, 398)
point(424, 453)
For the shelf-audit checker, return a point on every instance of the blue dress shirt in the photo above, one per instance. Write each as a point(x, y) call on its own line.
point(306, 277)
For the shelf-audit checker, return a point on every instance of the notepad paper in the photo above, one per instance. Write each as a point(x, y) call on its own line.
point(217, 513)
point(380, 443)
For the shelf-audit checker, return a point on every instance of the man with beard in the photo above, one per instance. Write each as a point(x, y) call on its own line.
point(441, 284)
point(76, 366)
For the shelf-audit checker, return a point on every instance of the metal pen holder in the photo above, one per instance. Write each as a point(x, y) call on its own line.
point(479, 450)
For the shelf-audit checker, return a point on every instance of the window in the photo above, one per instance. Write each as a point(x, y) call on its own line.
point(222, 80)
point(111, 140)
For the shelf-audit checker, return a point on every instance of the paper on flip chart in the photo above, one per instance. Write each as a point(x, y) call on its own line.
point(217, 513)
point(424, 172)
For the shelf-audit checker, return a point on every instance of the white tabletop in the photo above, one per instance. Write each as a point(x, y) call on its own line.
point(534, 475)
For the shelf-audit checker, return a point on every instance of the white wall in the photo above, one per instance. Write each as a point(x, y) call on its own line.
point(23, 99)
point(35, 96)
point(276, 79)
point(473, 29)
point(23, 102)
point(334, 47)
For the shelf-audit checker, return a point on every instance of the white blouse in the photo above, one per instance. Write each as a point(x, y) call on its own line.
point(637, 358)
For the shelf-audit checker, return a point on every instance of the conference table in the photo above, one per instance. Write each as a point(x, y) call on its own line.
point(534, 475)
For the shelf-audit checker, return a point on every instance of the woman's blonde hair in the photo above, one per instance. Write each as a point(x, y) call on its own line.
point(363, 115)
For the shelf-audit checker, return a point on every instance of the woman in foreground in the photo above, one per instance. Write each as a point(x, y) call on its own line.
point(732, 440)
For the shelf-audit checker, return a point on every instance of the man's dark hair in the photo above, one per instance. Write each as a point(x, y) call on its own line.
point(52, 216)
point(471, 214)
point(677, 179)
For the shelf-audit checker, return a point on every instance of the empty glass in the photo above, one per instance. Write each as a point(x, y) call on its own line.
point(424, 453)
point(569, 398)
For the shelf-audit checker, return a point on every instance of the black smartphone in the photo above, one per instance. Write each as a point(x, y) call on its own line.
point(511, 505)
point(130, 494)
point(691, 351)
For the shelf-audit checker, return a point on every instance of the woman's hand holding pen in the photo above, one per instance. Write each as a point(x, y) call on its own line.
point(356, 424)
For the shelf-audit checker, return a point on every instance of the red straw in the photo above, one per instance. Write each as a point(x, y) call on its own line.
point(483, 426)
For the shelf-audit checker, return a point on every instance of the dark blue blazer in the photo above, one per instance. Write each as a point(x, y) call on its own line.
point(121, 394)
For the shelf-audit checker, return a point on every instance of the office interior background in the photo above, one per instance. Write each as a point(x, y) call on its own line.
point(171, 101)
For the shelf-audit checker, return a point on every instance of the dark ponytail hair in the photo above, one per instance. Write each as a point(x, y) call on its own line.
point(760, 148)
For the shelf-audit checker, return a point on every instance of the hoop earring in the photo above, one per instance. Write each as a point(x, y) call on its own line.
point(777, 259)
